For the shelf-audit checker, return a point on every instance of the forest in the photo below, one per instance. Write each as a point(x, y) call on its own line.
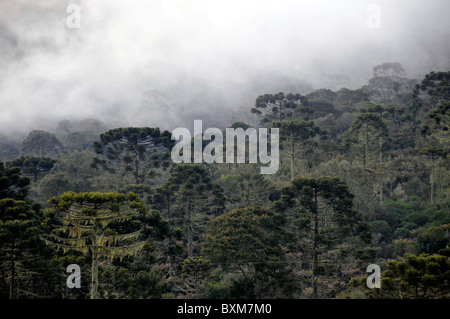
point(363, 179)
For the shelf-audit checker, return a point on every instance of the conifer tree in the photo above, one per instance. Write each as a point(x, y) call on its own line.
point(84, 227)
point(323, 212)
point(196, 196)
point(294, 135)
point(433, 153)
point(127, 148)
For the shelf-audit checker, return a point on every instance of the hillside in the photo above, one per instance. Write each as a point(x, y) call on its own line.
point(363, 179)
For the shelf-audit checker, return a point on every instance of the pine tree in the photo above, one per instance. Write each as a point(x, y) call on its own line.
point(433, 153)
point(41, 143)
point(293, 134)
point(18, 238)
point(34, 166)
point(323, 214)
point(84, 227)
point(276, 107)
point(196, 196)
point(126, 149)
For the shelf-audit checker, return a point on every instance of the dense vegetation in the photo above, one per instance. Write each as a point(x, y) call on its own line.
point(363, 179)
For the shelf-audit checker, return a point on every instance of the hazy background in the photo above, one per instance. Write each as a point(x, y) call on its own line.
point(164, 63)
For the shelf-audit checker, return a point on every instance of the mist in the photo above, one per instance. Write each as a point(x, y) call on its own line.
point(165, 63)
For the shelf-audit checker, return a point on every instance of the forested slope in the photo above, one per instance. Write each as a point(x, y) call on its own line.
point(363, 179)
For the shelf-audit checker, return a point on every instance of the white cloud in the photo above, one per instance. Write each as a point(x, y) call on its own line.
point(203, 57)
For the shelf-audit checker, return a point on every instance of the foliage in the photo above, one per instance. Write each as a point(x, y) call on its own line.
point(413, 277)
point(363, 179)
point(41, 143)
point(85, 228)
point(127, 148)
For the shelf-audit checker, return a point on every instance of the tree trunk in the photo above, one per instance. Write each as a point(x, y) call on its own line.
point(432, 181)
point(13, 274)
point(94, 270)
point(35, 172)
point(366, 149)
point(168, 213)
point(315, 251)
point(292, 157)
point(190, 232)
point(381, 146)
point(136, 165)
point(248, 193)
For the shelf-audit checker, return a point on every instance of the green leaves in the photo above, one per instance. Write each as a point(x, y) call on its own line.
point(128, 149)
point(12, 183)
point(276, 106)
point(421, 276)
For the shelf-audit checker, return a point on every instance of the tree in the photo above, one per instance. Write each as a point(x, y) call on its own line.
point(41, 143)
point(127, 148)
point(360, 132)
point(8, 149)
point(19, 236)
point(197, 196)
point(85, 228)
point(293, 133)
point(278, 106)
point(195, 273)
point(433, 239)
point(12, 183)
point(433, 153)
point(323, 215)
point(432, 91)
point(248, 188)
point(80, 141)
point(412, 277)
point(248, 239)
point(34, 166)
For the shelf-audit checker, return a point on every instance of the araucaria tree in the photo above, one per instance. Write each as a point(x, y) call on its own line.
point(41, 143)
point(434, 153)
point(197, 198)
point(128, 148)
point(276, 107)
point(294, 135)
point(86, 227)
point(322, 211)
point(368, 127)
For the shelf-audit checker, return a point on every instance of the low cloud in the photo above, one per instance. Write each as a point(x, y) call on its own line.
point(164, 63)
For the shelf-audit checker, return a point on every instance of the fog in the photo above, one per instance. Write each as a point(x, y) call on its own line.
point(164, 63)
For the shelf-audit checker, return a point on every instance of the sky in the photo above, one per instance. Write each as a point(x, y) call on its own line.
point(164, 63)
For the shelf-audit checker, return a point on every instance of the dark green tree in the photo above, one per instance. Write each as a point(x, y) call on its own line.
point(197, 198)
point(412, 277)
point(294, 136)
point(323, 215)
point(367, 126)
point(34, 166)
point(434, 153)
point(248, 240)
point(127, 149)
point(19, 240)
point(432, 91)
point(276, 107)
point(84, 227)
point(195, 274)
point(12, 183)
